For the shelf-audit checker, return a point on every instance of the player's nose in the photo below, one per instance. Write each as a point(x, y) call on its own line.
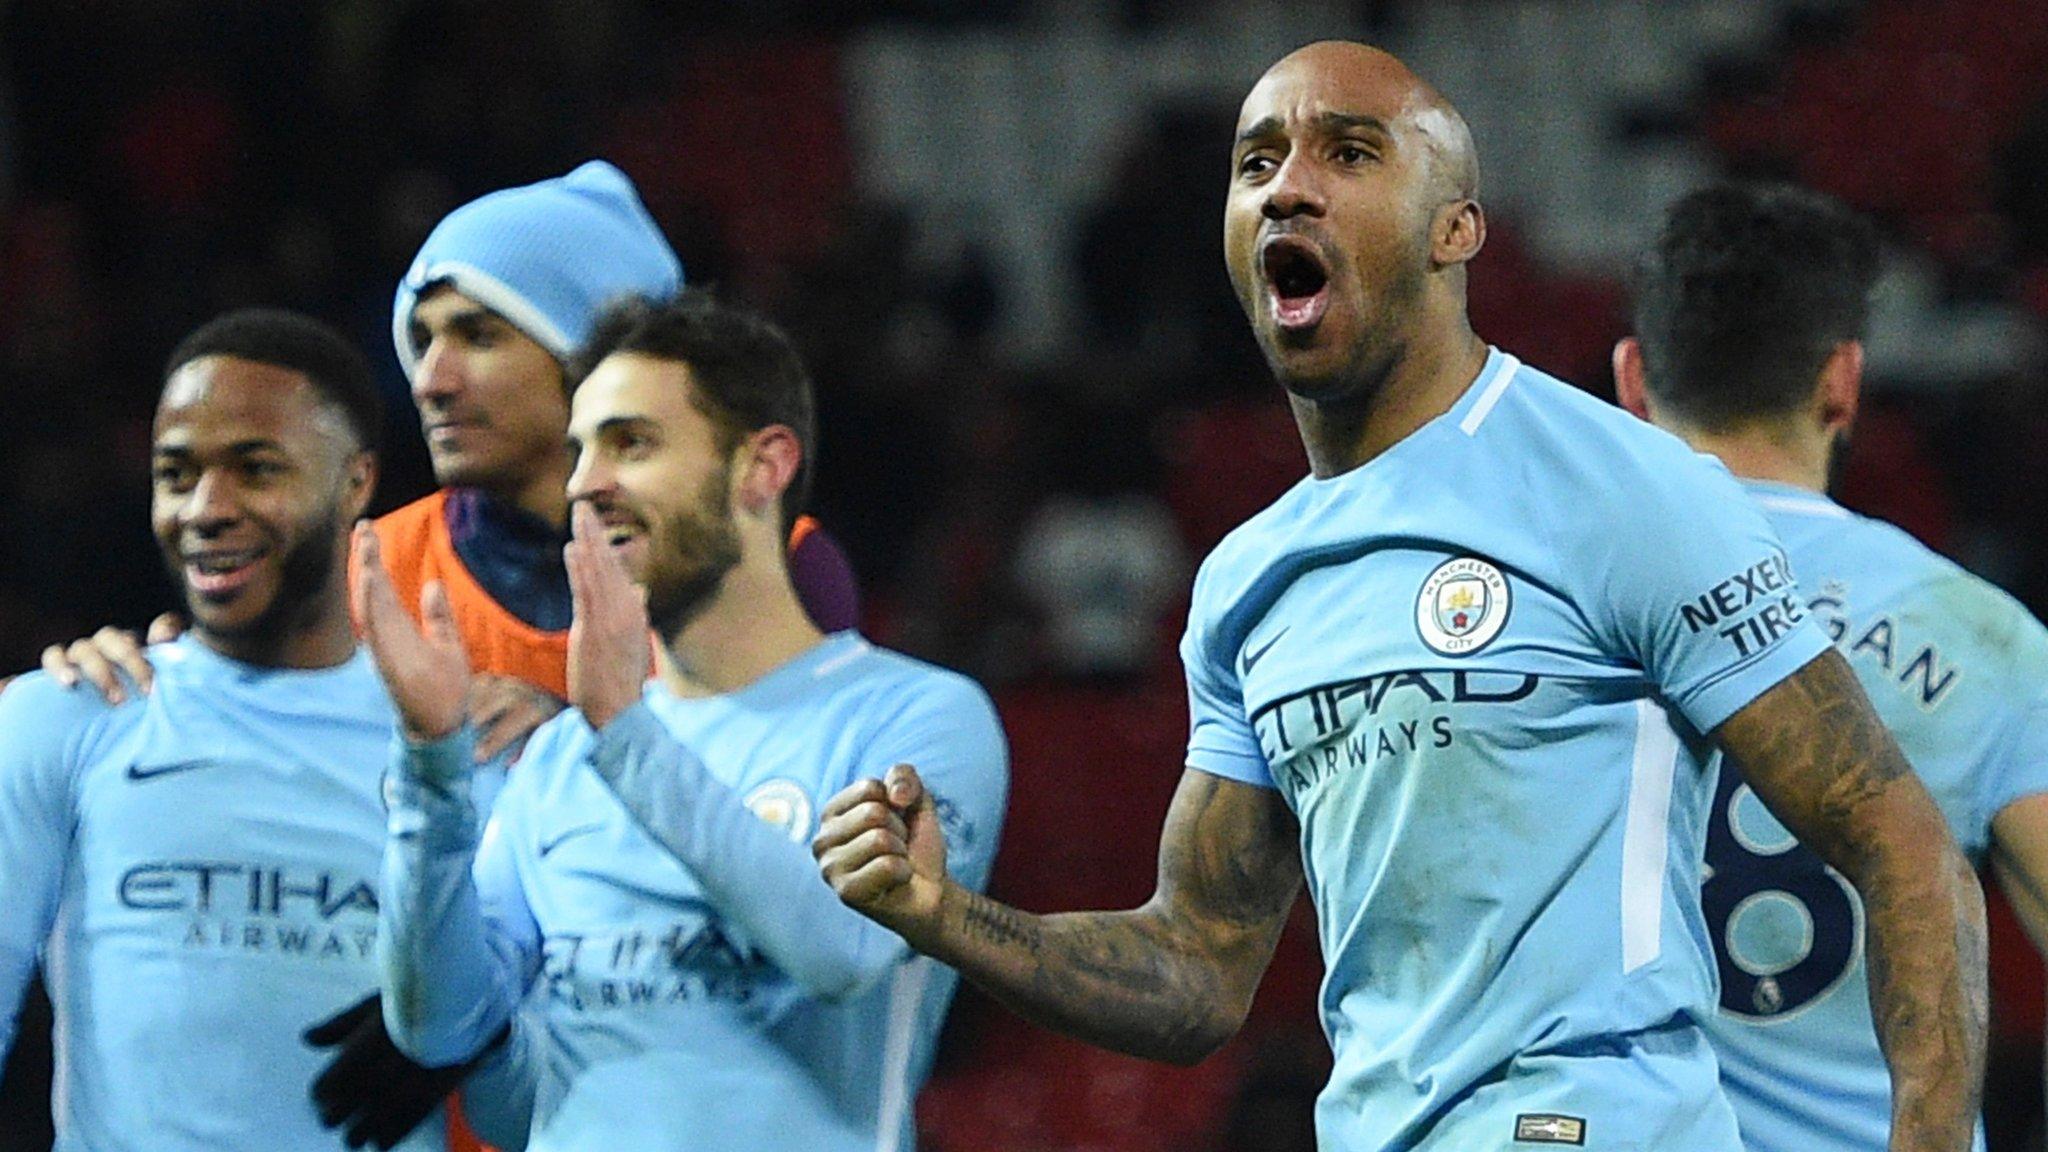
point(591, 479)
point(439, 374)
point(1294, 189)
point(214, 502)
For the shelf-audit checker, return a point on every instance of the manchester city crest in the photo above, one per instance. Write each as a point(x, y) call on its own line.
point(784, 804)
point(1462, 607)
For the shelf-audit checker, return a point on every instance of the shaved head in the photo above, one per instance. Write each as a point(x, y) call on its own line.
point(1419, 107)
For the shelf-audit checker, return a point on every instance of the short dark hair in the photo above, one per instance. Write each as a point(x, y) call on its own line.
point(299, 344)
point(747, 371)
point(1748, 291)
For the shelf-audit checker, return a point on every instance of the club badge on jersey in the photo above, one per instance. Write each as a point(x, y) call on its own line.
point(1463, 605)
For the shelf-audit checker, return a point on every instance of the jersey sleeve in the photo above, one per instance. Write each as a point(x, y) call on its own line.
point(1699, 592)
point(766, 882)
point(1221, 741)
point(457, 943)
point(41, 726)
point(949, 732)
point(498, 1098)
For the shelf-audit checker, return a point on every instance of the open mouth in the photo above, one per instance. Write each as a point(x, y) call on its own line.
point(620, 529)
point(217, 574)
point(1298, 280)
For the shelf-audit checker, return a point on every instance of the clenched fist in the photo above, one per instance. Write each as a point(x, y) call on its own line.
point(880, 847)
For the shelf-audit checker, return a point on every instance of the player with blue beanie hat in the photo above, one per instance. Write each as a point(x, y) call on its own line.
point(485, 321)
point(545, 256)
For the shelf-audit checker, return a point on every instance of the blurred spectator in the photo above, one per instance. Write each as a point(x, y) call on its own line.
point(1101, 560)
point(1100, 569)
point(1150, 300)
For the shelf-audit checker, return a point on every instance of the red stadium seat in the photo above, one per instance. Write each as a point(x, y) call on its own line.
point(1047, 1092)
point(1228, 462)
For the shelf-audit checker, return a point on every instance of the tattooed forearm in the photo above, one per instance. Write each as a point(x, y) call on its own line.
point(1171, 980)
point(1930, 1020)
point(1815, 753)
point(991, 923)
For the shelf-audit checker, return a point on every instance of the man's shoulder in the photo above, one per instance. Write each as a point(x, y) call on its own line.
point(1559, 435)
point(37, 700)
point(414, 523)
point(562, 739)
point(182, 669)
point(42, 718)
point(886, 686)
point(885, 669)
point(1819, 527)
point(1967, 613)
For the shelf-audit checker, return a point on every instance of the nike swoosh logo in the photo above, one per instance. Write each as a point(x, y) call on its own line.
point(1253, 657)
point(553, 842)
point(169, 767)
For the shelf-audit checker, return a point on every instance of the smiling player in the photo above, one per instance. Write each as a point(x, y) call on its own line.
point(643, 882)
point(197, 868)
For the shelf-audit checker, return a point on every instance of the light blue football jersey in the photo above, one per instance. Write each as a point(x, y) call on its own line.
point(1478, 669)
point(202, 866)
point(1959, 672)
point(650, 895)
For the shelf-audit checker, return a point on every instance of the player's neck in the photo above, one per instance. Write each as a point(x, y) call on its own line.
point(1763, 455)
point(319, 636)
point(1423, 383)
point(544, 494)
point(753, 625)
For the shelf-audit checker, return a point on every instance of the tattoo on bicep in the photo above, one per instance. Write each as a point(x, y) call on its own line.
point(1228, 864)
point(1824, 730)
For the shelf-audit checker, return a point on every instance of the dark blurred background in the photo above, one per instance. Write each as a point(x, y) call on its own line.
point(994, 227)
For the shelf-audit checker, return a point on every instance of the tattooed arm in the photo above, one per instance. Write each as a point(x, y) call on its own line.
point(1171, 980)
point(1816, 754)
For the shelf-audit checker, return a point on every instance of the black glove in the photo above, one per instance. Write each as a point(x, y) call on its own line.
point(371, 1090)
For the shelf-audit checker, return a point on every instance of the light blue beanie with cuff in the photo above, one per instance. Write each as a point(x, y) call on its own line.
point(547, 257)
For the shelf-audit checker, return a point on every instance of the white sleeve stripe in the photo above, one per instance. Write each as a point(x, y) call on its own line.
point(906, 999)
point(1645, 839)
point(1490, 394)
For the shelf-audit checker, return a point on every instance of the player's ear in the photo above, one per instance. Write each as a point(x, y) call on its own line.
point(1840, 388)
point(768, 464)
point(1629, 390)
point(359, 483)
point(1459, 233)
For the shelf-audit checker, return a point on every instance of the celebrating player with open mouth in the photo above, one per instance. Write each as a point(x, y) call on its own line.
point(1470, 678)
